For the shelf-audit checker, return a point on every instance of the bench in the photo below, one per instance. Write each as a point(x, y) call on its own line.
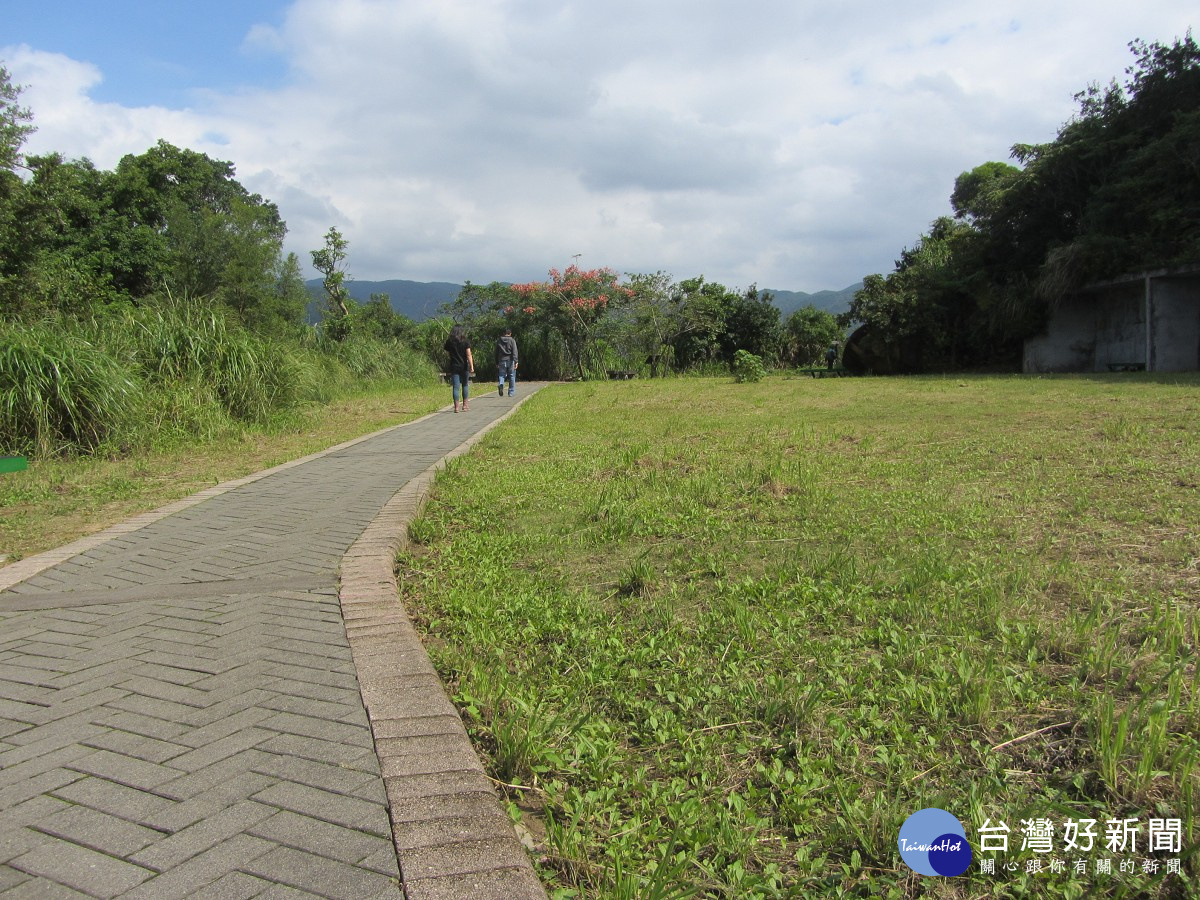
point(621, 374)
point(1127, 367)
point(823, 372)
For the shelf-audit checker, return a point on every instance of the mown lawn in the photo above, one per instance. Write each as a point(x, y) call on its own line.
point(721, 639)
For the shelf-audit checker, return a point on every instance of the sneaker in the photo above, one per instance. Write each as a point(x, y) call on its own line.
point(501, 390)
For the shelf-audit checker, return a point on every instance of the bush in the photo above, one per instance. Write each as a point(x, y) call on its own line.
point(59, 391)
point(748, 367)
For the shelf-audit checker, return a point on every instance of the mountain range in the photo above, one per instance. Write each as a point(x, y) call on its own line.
point(420, 300)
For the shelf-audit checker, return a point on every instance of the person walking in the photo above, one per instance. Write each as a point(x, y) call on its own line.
point(462, 364)
point(506, 362)
point(831, 356)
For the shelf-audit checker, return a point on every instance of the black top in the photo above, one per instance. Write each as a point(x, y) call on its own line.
point(458, 355)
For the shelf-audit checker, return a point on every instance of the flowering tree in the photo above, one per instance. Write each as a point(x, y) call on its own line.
point(573, 303)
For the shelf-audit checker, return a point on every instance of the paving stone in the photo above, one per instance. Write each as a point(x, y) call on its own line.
point(322, 876)
point(81, 869)
point(350, 812)
point(361, 758)
point(115, 799)
point(202, 870)
point(323, 775)
point(43, 889)
point(99, 831)
point(436, 785)
point(462, 858)
point(202, 836)
point(311, 835)
point(126, 770)
point(184, 695)
point(234, 886)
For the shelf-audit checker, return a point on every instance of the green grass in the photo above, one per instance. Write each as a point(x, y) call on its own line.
point(721, 639)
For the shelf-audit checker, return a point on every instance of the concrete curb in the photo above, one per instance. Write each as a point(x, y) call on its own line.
point(453, 838)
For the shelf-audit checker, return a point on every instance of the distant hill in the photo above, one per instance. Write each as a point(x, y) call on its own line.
point(420, 300)
point(831, 301)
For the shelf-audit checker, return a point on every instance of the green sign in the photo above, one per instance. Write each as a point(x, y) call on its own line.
point(13, 464)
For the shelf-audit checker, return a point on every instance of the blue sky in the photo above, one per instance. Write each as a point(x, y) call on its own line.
point(154, 53)
point(785, 143)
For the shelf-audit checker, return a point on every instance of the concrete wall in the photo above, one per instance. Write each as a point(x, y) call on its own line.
point(1069, 342)
point(1153, 320)
point(1175, 325)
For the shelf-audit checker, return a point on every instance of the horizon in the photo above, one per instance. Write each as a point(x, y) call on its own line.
point(770, 144)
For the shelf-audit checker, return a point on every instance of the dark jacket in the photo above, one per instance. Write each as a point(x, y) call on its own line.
point(506, 349)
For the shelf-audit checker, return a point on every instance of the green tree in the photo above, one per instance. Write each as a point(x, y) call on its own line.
point(704, 307)
point(288, 302)
point(330, 261)
point(1118, 190)
point(752, 324)
point(184, 223)
point(808, 332)
point(14, 123)
point(922, 309)
point(573, 303)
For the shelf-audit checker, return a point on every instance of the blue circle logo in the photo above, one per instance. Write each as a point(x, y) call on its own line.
point(933, 842)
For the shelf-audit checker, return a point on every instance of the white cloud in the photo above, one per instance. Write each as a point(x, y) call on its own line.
point(795, 145)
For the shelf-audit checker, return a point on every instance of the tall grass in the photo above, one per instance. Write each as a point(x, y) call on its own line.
point(58, 391)
point(172, 369)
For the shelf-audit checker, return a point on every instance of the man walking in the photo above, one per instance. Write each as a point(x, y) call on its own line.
point(506, 362)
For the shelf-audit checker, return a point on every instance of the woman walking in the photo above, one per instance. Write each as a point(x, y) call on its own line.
point(462, 364)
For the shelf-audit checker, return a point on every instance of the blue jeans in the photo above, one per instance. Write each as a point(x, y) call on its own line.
point(460, 382)
point(508, 370)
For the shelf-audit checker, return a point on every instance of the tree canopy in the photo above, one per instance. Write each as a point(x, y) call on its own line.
point(1117, 191)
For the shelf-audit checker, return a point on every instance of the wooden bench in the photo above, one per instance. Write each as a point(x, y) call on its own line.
point(1127, 367)
point(621, 374)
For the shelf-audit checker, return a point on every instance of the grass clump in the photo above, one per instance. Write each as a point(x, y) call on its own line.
point(726, 638)
point(58, 391)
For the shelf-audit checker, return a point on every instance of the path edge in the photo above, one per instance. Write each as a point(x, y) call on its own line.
point(453, 837)
point(23, 569)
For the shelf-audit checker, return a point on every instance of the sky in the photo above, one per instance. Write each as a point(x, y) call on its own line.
point(787, 144)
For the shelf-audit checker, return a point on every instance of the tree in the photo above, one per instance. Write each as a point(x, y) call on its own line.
point(921, 310)
point(330, 261)
point(752, 324)
point(14, 123)
point(704, 306)
point(978, 194)
point(808, 332)
point(573, 303)
point(287, 304)
point(1118, 190)
point(181, 221)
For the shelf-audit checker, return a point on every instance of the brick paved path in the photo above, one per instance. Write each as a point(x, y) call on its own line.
point(196, 706)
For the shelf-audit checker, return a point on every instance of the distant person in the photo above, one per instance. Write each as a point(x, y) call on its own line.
point(506, 362)
point(462, 364)
point(831, 356)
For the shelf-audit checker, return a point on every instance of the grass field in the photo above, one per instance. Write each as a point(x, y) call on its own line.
point(721, 639)
point(57, 500)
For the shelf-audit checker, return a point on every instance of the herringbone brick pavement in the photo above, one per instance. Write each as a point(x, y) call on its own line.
point(181, 714)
